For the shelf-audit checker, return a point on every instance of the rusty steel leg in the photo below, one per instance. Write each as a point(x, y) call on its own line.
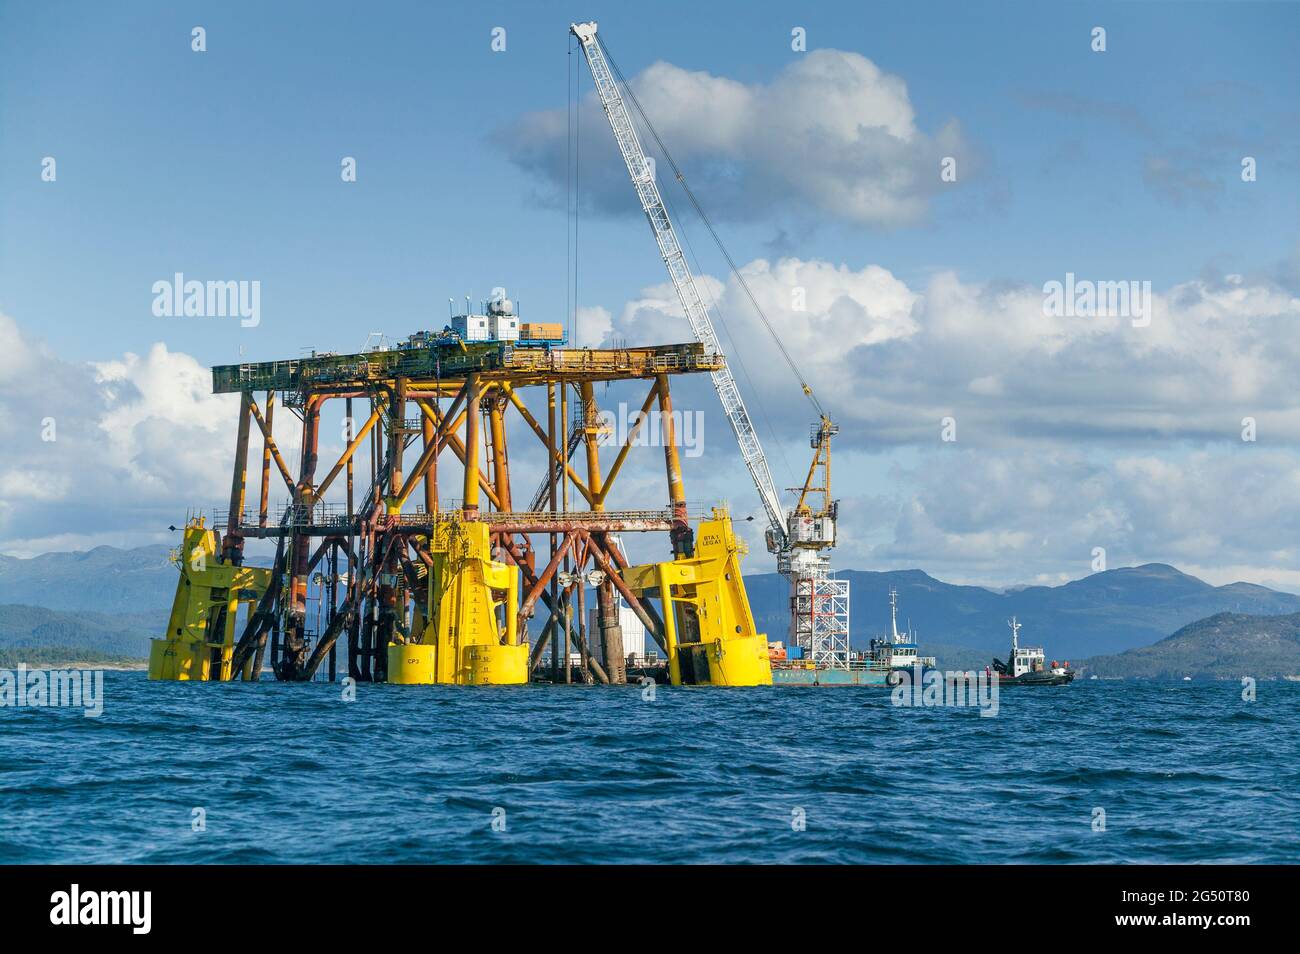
point(259, 656)
point(390, 601)
point(396, 437)
point(294, 647)
point(611, 634)
point(265, 496)
point(500, 460)
point(536, 586)
point(351, 426)
point(552, 500)
point(233, 546)
point(590, 667)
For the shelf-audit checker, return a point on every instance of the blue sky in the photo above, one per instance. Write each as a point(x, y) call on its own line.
point(225, 164)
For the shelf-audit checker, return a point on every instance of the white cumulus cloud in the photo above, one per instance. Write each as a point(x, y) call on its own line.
point(890, 361)
point(831, 135)
point(1071, 432)
point(114, 451)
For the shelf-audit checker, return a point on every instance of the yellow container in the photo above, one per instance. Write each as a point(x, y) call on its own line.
point(536, 331)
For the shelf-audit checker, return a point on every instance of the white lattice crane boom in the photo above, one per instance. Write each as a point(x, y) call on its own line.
point(652, 203)
point(819, 604)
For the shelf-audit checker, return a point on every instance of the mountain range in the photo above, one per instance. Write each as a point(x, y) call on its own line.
point(105, 580)
point(1224, 646)
point(35, 634)
point(1107, 612)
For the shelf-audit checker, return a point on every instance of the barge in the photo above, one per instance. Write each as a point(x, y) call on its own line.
point(885, 656)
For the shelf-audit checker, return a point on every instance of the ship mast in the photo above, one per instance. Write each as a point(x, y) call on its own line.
point(893, 614)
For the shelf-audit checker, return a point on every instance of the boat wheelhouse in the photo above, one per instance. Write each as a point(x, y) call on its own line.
point(898, 650)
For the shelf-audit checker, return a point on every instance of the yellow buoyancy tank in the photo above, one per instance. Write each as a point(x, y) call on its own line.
point(469, 636)
point(708, 626)
point(200, 637)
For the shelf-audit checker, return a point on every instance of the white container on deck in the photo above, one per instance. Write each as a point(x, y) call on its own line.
point(472, 327)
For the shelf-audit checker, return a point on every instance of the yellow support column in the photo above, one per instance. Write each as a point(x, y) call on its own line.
point(512, 607)
point(465, 644)
point(500, 459)
point(469, 494)
point(683, 542)
point(672, 460)
point(723, 633)
point(670, 625)
point(228, 636)
point(207, 586)
point(430, 435)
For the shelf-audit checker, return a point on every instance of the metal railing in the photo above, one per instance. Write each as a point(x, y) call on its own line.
point(297, 375)
point(288, 515)
point(334, 515)
point(545, 518)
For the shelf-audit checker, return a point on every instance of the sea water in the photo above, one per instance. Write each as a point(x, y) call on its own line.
point(268, 772)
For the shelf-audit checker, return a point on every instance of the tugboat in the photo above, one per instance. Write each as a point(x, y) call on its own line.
point(897, 651)
point(1028, 666)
